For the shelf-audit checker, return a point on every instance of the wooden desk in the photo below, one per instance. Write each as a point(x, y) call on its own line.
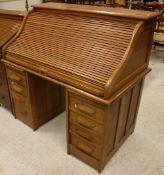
point(10, 22)
point(99, 55)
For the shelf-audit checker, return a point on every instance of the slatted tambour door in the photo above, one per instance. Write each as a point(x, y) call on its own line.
point(82, 51)
point(8, 28)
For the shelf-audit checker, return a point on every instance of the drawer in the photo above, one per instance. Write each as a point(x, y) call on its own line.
point(87, 107)
point(20, 102)
point(21, 107)
point(85, 147)
point(86, 123)
point(23, 115)
point(16, 76)
point(85, 134)
point(17, 88)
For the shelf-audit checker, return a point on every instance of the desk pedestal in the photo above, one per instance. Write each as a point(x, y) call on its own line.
point(34, 100)
point(95, 130)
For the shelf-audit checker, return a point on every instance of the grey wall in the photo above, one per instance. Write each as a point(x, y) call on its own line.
point(16, 4)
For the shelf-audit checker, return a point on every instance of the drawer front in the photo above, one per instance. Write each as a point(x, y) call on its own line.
point(86, 123)
point(17, 88)
point(19, 99)
point(86, 107)
point(85, 134)
point(85, 147)
point(21, 107)
point(16, 76)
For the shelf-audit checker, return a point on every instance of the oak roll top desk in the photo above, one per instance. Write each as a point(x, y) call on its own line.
point(10, 22)
point(99, 55)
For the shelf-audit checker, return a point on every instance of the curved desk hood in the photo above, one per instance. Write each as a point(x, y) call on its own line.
point(94, 49)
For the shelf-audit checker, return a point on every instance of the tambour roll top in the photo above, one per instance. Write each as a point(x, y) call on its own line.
point(10, 21)
point(86, 47)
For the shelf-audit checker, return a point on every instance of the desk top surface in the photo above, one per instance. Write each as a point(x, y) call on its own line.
point(137, 14)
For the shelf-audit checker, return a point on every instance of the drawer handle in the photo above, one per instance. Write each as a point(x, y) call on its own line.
point(15, 77)
point(87, 125)
point(85, 109)
point(16, 88)
point(84, 147)
point(82, 134)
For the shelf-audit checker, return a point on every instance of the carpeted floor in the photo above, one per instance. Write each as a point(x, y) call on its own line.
point(43, 152)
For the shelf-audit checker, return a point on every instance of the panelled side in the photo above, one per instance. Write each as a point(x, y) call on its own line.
point(124, 111)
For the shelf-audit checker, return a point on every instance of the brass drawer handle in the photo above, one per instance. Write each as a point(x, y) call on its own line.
point(84, 135)
point(84, 147)
point(85, 109)
point(15, 77)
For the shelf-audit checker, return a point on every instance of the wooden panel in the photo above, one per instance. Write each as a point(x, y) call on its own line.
point(123, 115)
point(47, 99)
point(111, 125)
point(133, 106)
point(55, 97)
point(140, 54)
